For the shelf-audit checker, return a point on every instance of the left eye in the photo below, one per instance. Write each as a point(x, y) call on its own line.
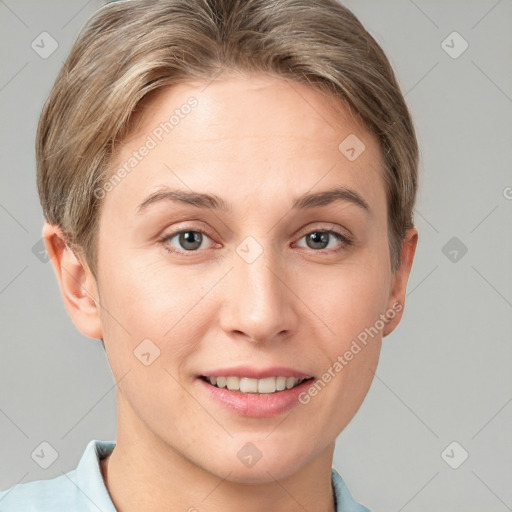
point(319, 239)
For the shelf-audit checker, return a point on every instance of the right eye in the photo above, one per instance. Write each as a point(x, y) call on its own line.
point(185, 241)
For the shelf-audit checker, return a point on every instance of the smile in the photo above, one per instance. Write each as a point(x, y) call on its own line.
point(248, 385)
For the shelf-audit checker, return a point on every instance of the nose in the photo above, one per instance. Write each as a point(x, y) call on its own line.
point(259, 304)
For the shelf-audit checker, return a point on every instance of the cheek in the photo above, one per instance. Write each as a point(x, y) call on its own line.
point(149, 295)
point(149, 300)
point(347, 300)
point(350, 306)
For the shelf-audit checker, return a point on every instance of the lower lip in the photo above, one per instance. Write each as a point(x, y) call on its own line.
point(256, 405)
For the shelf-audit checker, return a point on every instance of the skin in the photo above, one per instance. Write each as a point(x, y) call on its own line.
point(255, 141)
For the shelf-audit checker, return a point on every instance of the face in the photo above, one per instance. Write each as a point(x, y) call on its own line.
point(256, 281)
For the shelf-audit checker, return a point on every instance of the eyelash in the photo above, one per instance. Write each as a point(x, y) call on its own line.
point(344, 239)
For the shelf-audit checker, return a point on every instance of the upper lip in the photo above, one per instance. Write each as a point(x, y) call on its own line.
point(257, 373)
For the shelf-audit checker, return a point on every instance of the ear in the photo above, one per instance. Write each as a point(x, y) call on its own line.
point(77, 284)
point(396, 300)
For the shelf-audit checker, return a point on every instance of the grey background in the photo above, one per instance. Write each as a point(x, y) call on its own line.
point(445, 373)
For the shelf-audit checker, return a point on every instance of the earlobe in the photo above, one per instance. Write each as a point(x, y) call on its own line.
point(77, 284)
point(396, 301)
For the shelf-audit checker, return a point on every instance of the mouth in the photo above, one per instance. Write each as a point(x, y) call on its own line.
point(256, 393)
point(247, 385)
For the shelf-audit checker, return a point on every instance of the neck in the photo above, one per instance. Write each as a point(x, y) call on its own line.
point(144, 473)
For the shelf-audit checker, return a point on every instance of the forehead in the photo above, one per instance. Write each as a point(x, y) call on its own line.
point(244, 104)
point(250, 132)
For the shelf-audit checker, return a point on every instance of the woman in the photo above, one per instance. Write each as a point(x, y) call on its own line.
point(228, 190)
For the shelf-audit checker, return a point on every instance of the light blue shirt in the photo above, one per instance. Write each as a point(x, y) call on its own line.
point(83, 489)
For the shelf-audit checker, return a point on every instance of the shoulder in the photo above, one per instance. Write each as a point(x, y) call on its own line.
point(42, 495)
point(344, 500)
point(79, 490)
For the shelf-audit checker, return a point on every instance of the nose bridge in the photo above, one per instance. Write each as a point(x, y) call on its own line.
point(259, 304)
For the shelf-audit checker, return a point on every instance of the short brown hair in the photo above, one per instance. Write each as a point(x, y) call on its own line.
point(128, 49)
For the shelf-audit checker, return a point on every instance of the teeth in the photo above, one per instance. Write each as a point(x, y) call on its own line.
point(280, 383)
point(233, 383)
point(290, 382)
point(267, 385)
point(247, 385)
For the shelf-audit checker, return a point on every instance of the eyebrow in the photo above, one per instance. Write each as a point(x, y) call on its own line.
point(214, 202)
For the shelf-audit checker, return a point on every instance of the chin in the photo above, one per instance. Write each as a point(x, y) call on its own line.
point(251, 465)
point(260, 473)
